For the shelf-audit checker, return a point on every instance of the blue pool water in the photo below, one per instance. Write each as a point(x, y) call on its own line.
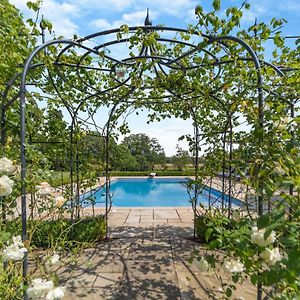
point(151, 192)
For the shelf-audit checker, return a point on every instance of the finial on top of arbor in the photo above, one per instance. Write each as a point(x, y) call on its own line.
point(148, 22)
point(255, 28)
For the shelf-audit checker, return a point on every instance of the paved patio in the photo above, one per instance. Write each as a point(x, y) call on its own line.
point(149, 217)
point(145, 257)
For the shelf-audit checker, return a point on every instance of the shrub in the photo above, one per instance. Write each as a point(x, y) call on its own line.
point(62, 232)
point(216, 228)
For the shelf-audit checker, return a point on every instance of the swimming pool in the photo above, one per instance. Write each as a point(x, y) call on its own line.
point(143, 192)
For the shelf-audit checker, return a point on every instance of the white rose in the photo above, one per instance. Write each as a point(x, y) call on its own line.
point(55, 294)
point(59, 201)
point(258, 238)
point(233, 266)
point(40, 288)
point(278, 169)
point(17, 240)
point(203, 265)
point(7, 166)
point(6, 185)
point(13, 252)
point(44, 190)
point(271, 256)
point(54, 259)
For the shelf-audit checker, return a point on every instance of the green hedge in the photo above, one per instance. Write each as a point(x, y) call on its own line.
point(56, 179)
point(61, 232)
point(61, 178)
point(159, 173)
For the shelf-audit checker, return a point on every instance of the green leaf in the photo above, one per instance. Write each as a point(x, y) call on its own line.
point(264, 221)
point(235, 278)
point(208, 233)
point(253, 279)
point(247, 5)
point(213, 244)
point(198, 10)
point(278, 40)
point(228, 292)
point(216, 4)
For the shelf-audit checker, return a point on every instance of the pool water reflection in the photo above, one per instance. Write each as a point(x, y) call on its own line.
point(143, 192)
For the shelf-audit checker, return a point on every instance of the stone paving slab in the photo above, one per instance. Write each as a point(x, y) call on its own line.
point(119, 216)
point(108, 279)
point(145, 257)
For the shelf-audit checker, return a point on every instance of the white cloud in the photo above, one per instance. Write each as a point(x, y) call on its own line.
point(111, 5)
point(20, 4)
point(255, 11)
point(291, 6)
point(191, 15)
point(136, 18)
point(175, 7)
point(101, 24)
point(69, 8)
point(59, 14)
point(130, 19)
point(166, 131)
point(168, 134)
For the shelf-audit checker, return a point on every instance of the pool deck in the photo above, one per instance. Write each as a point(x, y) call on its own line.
point(148, 216)
point(145, 257)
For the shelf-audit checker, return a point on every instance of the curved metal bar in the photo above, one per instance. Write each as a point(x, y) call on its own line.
point(112, 88)
point(116, 30)
point(259, 89)
point(144, 28)
point(23, 140)
point(4, 105)
point(89, 84)
point(81, 66)
point(96, 48)
point(65, 49)
point(13, 80)
point(60, 96)
point(68, 44)
point(123, 61)
point(126, 40)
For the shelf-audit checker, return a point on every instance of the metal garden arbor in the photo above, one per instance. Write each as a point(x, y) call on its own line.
point(96, 77)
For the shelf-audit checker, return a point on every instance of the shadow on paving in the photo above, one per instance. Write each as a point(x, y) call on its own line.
point(135, 263)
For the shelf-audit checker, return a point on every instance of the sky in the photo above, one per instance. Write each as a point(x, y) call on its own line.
point(83, 17)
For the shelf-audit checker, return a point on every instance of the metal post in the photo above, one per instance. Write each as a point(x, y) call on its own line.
point(23, 177)
point(23, 146)
point(230, 167)
point(260, 96)
point(291, 188)
point(223, 170)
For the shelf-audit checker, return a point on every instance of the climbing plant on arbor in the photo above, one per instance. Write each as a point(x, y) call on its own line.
point(244, 113)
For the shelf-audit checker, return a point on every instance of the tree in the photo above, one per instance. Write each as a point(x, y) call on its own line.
point(16, 42)
point(181, 158)
point(147, 151)
point(123, 160)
